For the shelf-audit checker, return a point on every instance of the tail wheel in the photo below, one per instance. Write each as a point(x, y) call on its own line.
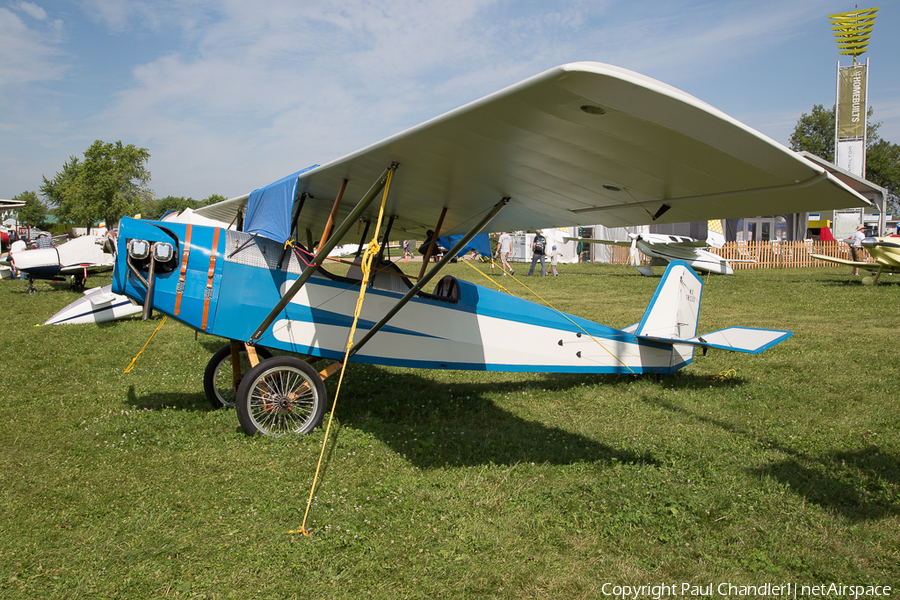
point(281, 395)
point(218, 379)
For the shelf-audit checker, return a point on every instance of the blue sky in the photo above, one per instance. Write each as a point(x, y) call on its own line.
point(230, 95)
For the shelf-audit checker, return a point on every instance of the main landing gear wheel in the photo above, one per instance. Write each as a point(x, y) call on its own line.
point(281, 395)
point(218, 379)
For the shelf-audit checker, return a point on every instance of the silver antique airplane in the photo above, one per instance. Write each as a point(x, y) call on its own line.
point(885, 251)
point(664, 248)
point(578, 144)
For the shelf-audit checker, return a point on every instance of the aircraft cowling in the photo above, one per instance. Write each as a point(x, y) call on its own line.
point(40, 263)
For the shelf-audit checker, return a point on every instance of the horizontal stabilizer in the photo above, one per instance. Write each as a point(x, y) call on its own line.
point(738, 339)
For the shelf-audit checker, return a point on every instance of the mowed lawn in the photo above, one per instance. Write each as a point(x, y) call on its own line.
point(784, 469)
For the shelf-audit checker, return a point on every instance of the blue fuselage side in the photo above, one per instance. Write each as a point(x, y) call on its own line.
point(468, 327)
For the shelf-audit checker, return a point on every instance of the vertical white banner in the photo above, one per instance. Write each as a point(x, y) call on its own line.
point(851, 156)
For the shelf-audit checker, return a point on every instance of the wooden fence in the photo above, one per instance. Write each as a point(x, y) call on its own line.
point(768, 255)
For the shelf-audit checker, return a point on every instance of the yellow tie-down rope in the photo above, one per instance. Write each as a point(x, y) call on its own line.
point(564, 315)
point(135, 359)
point(366, 265)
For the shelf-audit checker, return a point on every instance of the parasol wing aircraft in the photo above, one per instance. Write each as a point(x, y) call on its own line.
point(579, 144)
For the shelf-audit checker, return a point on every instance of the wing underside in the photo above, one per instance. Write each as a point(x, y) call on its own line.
point(580, 144)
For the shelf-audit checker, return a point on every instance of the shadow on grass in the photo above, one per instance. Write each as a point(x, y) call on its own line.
point(168, 400)
point(852, 281)
point(435, 424)
point(858, 485)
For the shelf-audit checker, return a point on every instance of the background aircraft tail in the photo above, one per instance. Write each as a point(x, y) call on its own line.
point(715, 235)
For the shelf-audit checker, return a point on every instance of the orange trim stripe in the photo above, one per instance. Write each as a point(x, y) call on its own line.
point(207, 297)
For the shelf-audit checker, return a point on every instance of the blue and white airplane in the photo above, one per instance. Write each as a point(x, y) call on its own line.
point(578, 144)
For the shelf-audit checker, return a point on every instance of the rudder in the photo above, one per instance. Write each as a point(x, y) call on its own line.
point(675, 307)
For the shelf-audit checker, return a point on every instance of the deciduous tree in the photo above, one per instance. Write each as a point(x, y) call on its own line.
point(34, 213)
point(110, 182)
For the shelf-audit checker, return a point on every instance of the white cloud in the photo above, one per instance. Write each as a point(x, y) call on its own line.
point(28, 54)
point(33, 10)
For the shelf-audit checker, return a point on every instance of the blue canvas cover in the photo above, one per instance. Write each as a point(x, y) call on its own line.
point(480, 243)
point(269, 208)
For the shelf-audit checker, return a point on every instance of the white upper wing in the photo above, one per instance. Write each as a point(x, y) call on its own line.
point(580, 144)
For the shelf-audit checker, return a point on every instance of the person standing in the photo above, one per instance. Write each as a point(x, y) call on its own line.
point(855, 241)
point(555, 255)
point(504, 247)
point(538, 249)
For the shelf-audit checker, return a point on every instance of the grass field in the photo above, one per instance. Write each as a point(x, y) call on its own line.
point(459, 484)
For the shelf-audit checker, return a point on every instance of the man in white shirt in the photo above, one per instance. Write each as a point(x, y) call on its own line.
point(504, 247)
point(855, 241)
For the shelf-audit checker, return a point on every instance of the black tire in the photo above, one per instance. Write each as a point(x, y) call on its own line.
point(281, 395)
point(218, 379)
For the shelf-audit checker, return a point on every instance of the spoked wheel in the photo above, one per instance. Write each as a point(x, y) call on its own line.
point(281, 395)
point(218, 379)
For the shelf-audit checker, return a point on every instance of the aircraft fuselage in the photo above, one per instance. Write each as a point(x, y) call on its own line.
point(698, 258)
point(231, 282)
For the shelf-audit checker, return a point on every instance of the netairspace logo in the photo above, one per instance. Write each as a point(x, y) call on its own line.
point(729, 590)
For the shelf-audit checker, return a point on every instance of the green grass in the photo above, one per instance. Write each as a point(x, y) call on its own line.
point(461, 484)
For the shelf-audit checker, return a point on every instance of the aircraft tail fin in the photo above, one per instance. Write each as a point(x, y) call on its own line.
point(715, 235)
point(675, 307)
point(671, 318)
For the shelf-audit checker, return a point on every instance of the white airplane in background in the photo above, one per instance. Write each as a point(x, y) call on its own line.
point(664, 248)
point(76, 258)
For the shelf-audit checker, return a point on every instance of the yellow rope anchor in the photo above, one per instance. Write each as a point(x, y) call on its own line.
point(368, 255)
point(134, 360)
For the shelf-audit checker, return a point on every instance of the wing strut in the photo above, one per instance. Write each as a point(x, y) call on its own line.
point(324, 248)
point(430, 250)
point(428, 276)
point(384, 244)
point(337, 202)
